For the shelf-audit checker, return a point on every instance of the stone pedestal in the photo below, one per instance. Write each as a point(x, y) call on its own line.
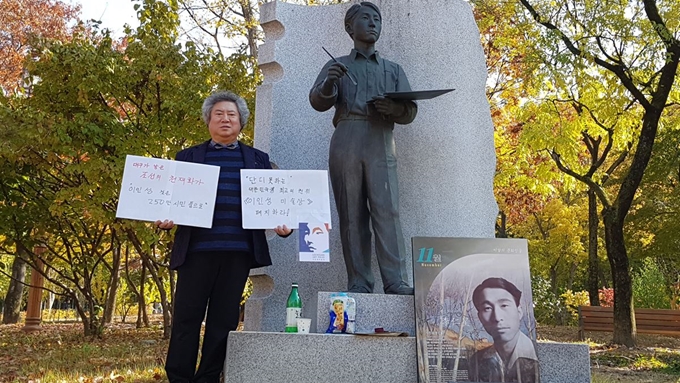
point(327, 358)
point(256, 357)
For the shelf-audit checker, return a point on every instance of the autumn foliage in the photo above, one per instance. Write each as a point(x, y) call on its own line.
point(607, 297)
point(22, 21)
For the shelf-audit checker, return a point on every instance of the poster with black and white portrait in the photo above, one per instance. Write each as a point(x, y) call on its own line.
point(474, 310)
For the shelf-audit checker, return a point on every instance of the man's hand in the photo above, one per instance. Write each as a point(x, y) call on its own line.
point(387, 106)
point(333, 75)
point(283, 231)
point(165, 225)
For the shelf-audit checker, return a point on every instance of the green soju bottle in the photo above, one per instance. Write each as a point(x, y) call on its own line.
point(293, 309)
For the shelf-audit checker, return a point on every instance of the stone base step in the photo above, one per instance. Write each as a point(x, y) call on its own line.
point(256, 357)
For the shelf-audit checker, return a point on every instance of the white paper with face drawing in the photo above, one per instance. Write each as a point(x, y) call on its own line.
point(270, 198)
point(313, 238)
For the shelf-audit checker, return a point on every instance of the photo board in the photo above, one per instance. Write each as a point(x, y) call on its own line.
point(474, 310)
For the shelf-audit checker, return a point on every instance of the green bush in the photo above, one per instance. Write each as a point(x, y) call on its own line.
point(549, 308)
point(650, 287)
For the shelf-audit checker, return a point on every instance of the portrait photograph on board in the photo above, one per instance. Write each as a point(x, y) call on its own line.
point(474, 311)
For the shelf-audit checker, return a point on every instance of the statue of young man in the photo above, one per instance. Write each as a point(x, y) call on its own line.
point(362, 159)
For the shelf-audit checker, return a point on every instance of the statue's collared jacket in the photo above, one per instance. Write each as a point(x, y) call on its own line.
point(253, 159)
point(375, 79)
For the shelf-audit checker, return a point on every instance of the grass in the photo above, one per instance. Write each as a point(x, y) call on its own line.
point(60, 353)
point(664, 362)
point(655, 359)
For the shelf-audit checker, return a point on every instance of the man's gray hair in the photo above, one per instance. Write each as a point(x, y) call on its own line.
point(220, 96)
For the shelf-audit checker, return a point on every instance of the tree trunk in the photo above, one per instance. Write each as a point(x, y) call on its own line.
point(553, 278)
point(572, 275)
point(593, 262)
point(501, 227)
point(624, 319)
point(110, 307)
point(87, 323)
point(153, 270)
point(141, 302)
point(96, 326)
point(131, 284)
point(252, 25)
point(15, 293)
point(603, 278)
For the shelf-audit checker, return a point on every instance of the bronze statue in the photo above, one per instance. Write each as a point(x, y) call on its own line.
point(362, 159)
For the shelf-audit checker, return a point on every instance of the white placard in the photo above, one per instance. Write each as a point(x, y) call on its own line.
point(154, 189)
point(270, 198)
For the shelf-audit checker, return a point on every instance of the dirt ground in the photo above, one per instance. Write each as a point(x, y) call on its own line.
point(656, 358)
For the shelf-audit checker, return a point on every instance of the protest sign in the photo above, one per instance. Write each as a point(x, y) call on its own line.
point(156, 189)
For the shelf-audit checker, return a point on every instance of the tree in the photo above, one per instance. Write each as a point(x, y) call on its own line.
point(232, 20)
point(21, 23)
point(94, 101)
point(632, 50)
point(655, 221)
point(523, 182)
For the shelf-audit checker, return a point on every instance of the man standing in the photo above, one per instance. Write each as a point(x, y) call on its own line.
point(213, 264)
point(512, 358)
point(362, 158)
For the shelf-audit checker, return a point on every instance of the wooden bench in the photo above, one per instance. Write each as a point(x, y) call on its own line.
point(648, 321)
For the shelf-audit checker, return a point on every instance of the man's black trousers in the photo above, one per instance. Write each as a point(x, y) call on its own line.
point(207, 279)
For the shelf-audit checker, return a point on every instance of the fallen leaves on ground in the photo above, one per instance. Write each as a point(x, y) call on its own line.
point(656, 358)
point(60, 353)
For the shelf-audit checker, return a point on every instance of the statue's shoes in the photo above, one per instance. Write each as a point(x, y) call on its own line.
point(401, 290)
point(360, 290)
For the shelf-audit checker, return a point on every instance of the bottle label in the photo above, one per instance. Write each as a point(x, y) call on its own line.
point(292, 314)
